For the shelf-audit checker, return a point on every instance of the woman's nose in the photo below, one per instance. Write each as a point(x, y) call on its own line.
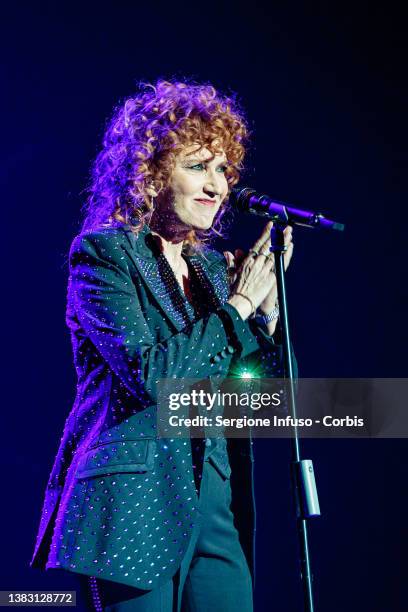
point(211, 191)
point(212, 185)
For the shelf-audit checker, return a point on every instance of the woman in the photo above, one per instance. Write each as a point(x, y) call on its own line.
point(147, 521)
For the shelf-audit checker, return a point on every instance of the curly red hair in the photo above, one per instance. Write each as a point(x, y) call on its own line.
point(142, 140)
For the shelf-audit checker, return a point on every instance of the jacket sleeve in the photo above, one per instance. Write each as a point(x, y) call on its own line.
point(267, 360)
point(106, 303)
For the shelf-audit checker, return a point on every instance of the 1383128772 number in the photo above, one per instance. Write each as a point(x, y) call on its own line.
point(37, 598)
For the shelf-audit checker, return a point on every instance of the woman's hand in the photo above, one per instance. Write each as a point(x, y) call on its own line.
point(270, 301)
point(254, 278)
point(262, 245)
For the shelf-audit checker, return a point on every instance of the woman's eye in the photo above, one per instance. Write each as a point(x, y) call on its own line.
point(202, 167)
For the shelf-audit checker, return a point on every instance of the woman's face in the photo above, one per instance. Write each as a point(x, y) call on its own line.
point(197, 187)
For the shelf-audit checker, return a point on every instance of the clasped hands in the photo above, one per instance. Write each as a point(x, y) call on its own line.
point(253, 284)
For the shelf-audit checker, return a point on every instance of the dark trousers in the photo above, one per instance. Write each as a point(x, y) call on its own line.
point(214, 574)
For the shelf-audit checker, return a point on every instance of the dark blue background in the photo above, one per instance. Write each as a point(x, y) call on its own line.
point(325, 90)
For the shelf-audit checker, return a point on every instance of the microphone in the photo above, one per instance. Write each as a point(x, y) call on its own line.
point(249, 201)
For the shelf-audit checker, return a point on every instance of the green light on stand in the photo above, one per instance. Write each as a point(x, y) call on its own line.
point(246, 374)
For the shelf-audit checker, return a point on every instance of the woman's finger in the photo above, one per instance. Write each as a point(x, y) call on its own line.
point(263, 238)
point(287, 234)
point(287, 256)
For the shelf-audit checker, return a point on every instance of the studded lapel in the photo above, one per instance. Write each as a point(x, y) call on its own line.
point(214, 277)
point(164, 288)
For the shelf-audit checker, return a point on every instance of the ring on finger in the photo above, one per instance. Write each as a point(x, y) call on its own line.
point(254, 253)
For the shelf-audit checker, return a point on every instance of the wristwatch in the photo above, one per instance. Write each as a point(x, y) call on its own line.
point(271, 316)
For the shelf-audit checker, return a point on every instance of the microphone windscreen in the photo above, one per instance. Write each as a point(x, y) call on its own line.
point(239, 197)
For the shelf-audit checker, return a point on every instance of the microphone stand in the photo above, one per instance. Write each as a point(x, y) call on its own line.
point(303, 481)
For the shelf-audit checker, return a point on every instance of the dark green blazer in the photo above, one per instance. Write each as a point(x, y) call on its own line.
point(121, 502)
